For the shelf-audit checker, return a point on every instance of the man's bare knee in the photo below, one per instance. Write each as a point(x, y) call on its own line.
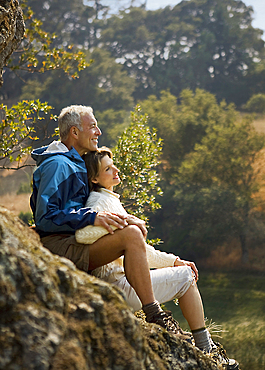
point(133, 236)
point(133, 231)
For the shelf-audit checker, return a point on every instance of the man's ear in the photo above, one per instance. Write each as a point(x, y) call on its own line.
point(74, 132)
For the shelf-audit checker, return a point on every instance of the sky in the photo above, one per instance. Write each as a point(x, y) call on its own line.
point(258, 6)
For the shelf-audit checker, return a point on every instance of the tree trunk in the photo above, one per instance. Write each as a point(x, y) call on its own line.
point(243, 234)
point(12, 30)
point(243, 241)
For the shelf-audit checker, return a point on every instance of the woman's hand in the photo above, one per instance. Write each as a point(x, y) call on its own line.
point(179, 262)
point(106, 219)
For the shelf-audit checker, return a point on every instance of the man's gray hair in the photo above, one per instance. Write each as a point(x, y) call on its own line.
point(71, 116)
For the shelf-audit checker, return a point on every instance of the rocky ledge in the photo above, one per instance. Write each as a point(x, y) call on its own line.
point(55, 317)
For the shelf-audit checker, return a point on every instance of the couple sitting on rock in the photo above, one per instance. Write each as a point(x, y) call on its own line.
point(78, 216)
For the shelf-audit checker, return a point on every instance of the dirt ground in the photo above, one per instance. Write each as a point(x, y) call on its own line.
point(15, 203)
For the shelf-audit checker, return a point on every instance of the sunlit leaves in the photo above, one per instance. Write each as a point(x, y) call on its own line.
point(226, 157)
point(222, 174)
point(137, 156)
point(17, 131)
point(38, 54)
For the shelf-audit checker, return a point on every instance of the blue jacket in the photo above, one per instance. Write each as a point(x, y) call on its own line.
point(60, 190)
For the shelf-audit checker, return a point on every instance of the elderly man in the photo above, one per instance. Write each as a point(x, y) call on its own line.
point(60, 191)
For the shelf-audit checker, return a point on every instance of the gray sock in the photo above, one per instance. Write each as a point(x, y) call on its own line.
point(203, 339)
point(151, 309)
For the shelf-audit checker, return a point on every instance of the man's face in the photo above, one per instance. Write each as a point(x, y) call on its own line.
point(88, 138)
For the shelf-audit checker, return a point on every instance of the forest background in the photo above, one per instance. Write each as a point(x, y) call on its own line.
point(197, 70)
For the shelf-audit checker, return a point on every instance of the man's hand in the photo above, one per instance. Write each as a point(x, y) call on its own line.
point(106, 219)
point(132, 220)
point(179, 262)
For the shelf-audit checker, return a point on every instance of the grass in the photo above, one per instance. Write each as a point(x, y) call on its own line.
point(236, 301)
point(259, 123)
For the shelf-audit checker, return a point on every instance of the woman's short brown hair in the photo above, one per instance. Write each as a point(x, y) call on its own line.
point(93, 165)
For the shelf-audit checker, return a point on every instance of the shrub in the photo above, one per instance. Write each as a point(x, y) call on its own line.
point(26, 217)
point(24, 188)
point(256, 104)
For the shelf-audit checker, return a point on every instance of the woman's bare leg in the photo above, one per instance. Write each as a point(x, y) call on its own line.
point(130, 243)
point(192, 308)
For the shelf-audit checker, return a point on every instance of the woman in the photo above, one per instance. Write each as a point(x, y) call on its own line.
point(172, 278)
point(168, 282)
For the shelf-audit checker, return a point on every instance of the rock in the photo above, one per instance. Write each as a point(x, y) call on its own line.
point(12, 30)
point(55, 317)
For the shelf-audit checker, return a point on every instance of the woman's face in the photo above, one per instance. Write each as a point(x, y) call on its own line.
point(108, 175)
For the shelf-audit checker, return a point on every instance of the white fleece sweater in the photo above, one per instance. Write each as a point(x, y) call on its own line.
point(106, 200)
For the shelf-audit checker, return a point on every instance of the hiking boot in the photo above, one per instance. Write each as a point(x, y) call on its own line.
point(166, 320)
point(219, 356)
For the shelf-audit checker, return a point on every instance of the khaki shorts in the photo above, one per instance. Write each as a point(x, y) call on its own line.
point(65, 245)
